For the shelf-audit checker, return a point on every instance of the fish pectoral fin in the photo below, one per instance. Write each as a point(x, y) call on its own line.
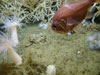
point(72, 22)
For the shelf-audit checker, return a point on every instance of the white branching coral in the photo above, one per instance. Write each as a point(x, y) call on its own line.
point(6, 45)
point(95, 11)
point(29, 10)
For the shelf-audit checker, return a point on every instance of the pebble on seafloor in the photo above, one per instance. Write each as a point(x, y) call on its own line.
point(69, 33)
point(78, 52)
point(36, 38)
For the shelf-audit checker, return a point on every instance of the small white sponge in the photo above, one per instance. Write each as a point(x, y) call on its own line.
point(51, 70)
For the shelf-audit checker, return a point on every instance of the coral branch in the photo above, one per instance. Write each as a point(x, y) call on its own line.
point(28, 10)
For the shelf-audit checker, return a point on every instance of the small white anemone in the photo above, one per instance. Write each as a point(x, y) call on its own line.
point(6, 45)
point(11, 24)
point(4, 38)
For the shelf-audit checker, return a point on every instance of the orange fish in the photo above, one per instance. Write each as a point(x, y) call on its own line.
point(70, 15)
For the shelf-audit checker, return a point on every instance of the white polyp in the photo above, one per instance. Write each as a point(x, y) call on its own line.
point(14, 36)
point(51, 70)
point(15, 57)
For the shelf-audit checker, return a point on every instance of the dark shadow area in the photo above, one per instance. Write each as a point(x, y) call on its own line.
point(6, 68)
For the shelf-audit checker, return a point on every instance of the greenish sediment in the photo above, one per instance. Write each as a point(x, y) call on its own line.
point(60, 50)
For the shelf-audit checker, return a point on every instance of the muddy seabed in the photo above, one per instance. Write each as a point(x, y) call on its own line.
point(40, 48)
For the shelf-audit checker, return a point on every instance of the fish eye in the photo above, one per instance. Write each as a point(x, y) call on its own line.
point(54, 26)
